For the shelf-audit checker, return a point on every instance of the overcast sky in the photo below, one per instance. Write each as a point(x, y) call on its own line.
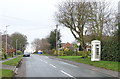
point(33, 18)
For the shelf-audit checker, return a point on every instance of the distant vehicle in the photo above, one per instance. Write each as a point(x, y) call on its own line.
point(26, 55)
point(40, 52)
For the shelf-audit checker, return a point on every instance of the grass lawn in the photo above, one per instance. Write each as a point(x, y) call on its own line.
point(111, 65)
point(6, 73)
point(13, 62)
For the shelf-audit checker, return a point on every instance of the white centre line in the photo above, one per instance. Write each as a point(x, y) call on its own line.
point(66, 74)
point(53, 66)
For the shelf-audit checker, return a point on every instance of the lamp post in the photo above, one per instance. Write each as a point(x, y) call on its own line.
point(6, 38)
point(16, 46)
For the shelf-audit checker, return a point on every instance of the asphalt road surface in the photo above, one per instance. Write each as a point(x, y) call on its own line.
point(43, 66)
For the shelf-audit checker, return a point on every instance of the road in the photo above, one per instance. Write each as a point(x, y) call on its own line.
point(43, 66)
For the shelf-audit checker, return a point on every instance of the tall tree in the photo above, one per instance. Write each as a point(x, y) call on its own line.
point(52, 38)
point(36, 44)
point(21, 41)
point(118, 17)
point(44, 44)
point(102, 20)
point(74, 15)
point(83, 17)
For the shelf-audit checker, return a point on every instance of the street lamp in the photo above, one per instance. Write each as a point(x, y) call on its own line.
point(16, 46)
point(6, 37)
point(57, 41)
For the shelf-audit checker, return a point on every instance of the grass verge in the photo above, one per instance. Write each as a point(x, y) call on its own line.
point(111, 65)
point(47, 54)
point(6, 73)
point(13, 62)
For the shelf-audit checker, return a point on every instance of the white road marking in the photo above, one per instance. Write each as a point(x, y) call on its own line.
point(45, 62)
point(66, 73)
point(53, 66)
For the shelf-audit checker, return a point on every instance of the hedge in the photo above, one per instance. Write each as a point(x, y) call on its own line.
point(110, 50)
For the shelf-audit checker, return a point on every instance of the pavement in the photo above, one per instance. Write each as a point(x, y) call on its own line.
point(49, 66)
point(22, 69)
point(7, 67)
point(2, 66)
point(1, 61)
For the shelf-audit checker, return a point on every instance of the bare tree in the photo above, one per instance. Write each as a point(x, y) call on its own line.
point(36, 44)
point(44, 44)
point(82, 18)
point(74, 15)
point(102, 20)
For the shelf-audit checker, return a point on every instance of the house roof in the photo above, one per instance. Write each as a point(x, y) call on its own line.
point(11, 50)
point(67, 45)
point(88, 46)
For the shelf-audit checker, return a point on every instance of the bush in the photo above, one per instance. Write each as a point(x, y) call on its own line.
point(4, 56)
point(55, 53)
point(83, 54)
point(79, 53)
point(69, 53)
point(19, 52)
point(110, 50)
point(66, 49)
point(88, 53)
point(50, 52)
point(60, 53)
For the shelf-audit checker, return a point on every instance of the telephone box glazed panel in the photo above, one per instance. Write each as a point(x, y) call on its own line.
point(95, 50)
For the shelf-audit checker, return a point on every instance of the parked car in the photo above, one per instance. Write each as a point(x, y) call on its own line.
point(26, 55)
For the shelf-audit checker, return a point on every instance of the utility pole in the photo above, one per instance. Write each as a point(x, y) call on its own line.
point(6, 38)
point(16, 46)
point(57, 40)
